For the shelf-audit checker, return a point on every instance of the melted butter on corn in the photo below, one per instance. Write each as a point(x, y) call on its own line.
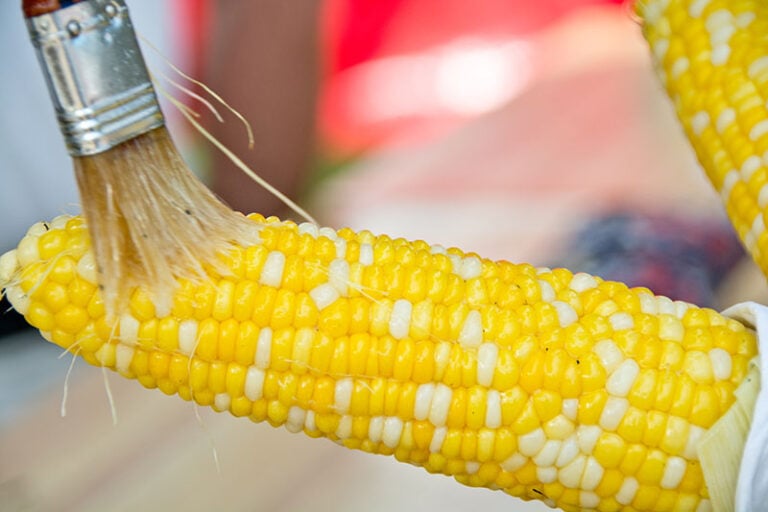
point(582, 393)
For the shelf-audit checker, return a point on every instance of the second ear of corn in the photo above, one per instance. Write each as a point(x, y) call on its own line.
point(547, 385)
point(712, 57)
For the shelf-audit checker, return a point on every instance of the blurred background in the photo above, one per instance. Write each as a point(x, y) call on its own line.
point(526, 131)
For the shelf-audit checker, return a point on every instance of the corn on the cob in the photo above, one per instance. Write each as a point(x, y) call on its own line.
point(712, 57)
point(583, 393)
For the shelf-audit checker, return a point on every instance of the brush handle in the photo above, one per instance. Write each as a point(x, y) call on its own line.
point(99, 84)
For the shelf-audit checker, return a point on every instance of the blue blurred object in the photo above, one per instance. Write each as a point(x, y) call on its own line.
point(682, 258)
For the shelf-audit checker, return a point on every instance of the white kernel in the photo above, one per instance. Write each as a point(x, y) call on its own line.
point(762, 198)
point(493, 409)
point(621, 321)
point(758, 67)
point(471, 467)
point(548, 453)
point(582, 282)
point(758, 226)
point(622, 380)
point(376, 429)
point(296, 418)
point(129, 329)
point(324, 295)
point(613, 413)
point(455, 262)
point(487, 357)
point(341, 248)
point(732, 177)
point(309, 422)
point(393, 429)
point(254, 383)
point(423, 401)
point(588, 500)
point(547, 292)
point(627, 491)
point(342, 395)
point(593, 473)
point(441, 404)
point(571, 408)
point(609, 354)
point(704, 506)
point(696, 8)
point(471, 334)
point(569, 449)
point(221, 402)
point(679, 67)
point(60, 221)
point(670, 328)
point(514, 462)
point(328, 233)
point(338, 275)
point(699, 122)
point(37, 229)
point(308, 228)
point(105, 353)
point(263, 356)
point(27, 252)
point(531, 443)
point(272, 271)
point(660, 49)
point(721, 363)
point(470, 267)
point(745, 19)
point(9, 264)
point(442, 358)
point(566, 315)
point(718, 20)
point(366, 254)
point(674, 470)
point(123, 357)
point(570, 475)
point(587, 438)
point(726, 118)
point(666, 305)
point(438, 249)
point(750, 166)
point(400, 319)
point(18, 299)
point(344, 429)
point(758, 130)
point(546, 475)
point(187, 336)
point(438, 437)
point(691, 450)
point(681, 307)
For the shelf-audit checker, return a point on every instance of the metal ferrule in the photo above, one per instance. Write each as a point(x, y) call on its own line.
point(96, 75)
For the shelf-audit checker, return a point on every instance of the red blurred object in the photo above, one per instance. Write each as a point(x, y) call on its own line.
point(402, 71)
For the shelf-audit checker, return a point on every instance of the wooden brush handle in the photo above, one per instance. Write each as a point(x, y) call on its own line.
point(37, 7)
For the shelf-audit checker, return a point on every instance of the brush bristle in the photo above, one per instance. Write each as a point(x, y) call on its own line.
point(151, 220)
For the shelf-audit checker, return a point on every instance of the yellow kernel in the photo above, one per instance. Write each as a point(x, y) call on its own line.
point(207, 339)
point(698, 366)
point(178, 369)
point(642, 394)
point(682, 401)
point(71, 319)
point(277, 414)
point(548, 404)
point(263, 305)
point(507, 372)
point(706, 407)
point(656, 425)
point(40, 317)
point(632, 425)
point(424, 362)
point(245, 344)
point(51, 243)
point(526, 421)
point(158, 364)
point(610, 450)
point(476, 407)
point(53, 295)
point(646, 497)
point(217, 377)
point(593, 375)
point(284, 309)
point(235, 380)
point(591, 407)
point(80, 292)
point(323, 395)
point(532, 372)
point(633, 458)
point(404, 359)
point(168, 334)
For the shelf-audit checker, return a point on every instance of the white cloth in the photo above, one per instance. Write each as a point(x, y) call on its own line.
point(752, 486)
